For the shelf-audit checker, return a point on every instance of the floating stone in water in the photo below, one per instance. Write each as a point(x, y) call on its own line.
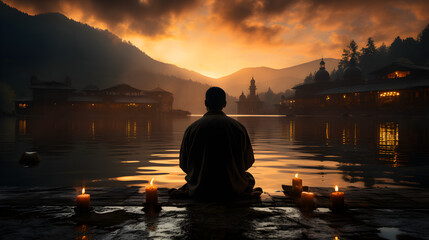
point(30, 159)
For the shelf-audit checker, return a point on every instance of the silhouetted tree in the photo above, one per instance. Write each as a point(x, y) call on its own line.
point(423, 40)
point(335, 75)
point(354, 52)
point(308, 79)
point(344, 62)
point(370, 48)
point(407, 48)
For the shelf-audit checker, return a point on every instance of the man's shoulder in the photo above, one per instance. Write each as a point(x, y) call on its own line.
point(215, 119)
point(235, 122)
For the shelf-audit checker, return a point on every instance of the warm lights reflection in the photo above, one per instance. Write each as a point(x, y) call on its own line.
point(149, 126)
point(131, 129)
point(327, 131)
point(92, 129)
point(292, 130)
point(388, 142)
point(22, 127)
point(344, 136)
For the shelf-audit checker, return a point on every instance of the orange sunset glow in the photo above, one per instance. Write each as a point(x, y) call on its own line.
point(217, 37)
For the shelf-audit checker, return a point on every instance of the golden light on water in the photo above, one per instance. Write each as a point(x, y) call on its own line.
point(388, 142)
point(22, 125)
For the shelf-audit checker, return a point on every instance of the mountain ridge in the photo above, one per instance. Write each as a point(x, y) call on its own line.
point(53, 46)
point(277, 79)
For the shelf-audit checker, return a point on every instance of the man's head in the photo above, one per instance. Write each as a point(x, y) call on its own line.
point(215, 99)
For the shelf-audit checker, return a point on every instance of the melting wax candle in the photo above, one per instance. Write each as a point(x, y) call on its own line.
point(296, 184)
point(151, 194)
point(83, 200)
point(307, 201)
point(337, 200)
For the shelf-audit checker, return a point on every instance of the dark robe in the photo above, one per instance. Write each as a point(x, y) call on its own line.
point(215, 154)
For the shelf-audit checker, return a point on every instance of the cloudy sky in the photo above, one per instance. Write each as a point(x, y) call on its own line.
point(218, 37)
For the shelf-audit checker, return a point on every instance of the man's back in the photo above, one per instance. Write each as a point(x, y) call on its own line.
point(215, 154)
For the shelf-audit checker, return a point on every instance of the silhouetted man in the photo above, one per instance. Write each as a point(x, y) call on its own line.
point(216, 152)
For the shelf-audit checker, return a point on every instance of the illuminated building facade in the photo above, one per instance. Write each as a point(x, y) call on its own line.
point(60, 97)
point(250, 104)
point(396, 88)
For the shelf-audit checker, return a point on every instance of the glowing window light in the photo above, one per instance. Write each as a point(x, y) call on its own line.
point(398, 74)
point(389, 94)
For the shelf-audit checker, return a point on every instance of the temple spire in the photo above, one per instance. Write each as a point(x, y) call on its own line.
point(322, 64)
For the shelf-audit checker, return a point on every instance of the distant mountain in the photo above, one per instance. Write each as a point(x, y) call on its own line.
point(52, 47)
point(277, 79)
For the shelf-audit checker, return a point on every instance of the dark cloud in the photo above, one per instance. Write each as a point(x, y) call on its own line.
point(358, 19)
point(255, 20)
point(147, 17)
point(251, 16)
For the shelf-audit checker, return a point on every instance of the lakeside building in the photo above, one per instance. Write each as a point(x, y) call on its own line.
point(61, 97)
point(250, 104)
point(396, 88)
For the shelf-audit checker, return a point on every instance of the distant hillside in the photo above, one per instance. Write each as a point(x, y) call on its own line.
point(277, 79)
point(51, 46)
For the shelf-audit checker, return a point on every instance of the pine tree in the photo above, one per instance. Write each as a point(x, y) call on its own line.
point(344, 62)
point(308, 79)
point(353, 51)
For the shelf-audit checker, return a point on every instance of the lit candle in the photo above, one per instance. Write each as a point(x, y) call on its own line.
point(307, 200)
point(151, 194)
point(82, 200)
point(337, 200)
point(296, 184)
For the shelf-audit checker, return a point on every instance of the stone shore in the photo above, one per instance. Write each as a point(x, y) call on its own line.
point(371, 213)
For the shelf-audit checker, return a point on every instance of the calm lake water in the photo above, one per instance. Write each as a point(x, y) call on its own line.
point(129, 151)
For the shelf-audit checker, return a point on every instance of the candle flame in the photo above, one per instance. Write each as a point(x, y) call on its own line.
point(83, 190)
point(337, 238)
point(151, 182)
point(296, 175)
point(336, 188)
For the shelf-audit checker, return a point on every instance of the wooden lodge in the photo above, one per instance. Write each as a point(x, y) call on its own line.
point(62, 98)
point(398, 88)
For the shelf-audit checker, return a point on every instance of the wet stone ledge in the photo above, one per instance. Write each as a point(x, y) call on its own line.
point(374, 213)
